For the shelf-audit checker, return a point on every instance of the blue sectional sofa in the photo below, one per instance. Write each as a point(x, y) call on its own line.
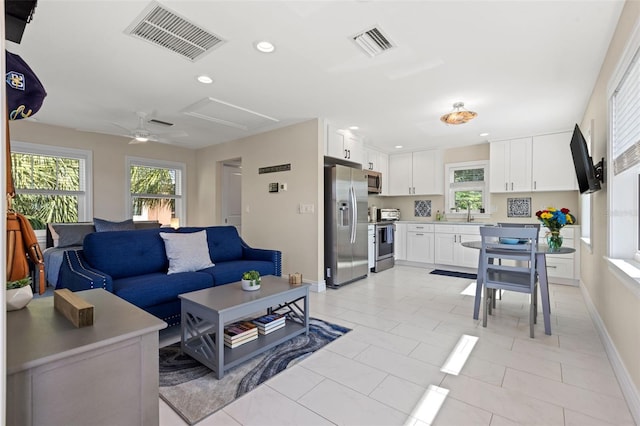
point(133, 265)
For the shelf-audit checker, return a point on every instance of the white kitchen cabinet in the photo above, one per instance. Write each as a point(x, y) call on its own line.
point(400, 242)
point(383, 168)
point(420, 243)
point(448, 247)
point(416, 173)
point(344, 145)
point(564, 268)
point(400, 174)
point(510, 165)
point(371, 232)
point(552, 163)
point(372, 159)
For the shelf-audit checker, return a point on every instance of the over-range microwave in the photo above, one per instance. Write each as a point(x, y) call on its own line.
point(374, 181)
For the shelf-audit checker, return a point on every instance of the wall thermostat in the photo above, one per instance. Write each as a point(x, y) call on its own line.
point(273, 187)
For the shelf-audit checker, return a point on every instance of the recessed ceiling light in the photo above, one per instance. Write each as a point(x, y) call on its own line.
point(265, 46)
point(205, 79)
point(398, 146)
point(484, 134)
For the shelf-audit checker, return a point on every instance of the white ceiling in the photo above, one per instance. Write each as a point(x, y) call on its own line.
point(526, 67)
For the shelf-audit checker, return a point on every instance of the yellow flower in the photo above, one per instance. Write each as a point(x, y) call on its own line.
point(569, 218)
point(552, 209)
point(546, 215)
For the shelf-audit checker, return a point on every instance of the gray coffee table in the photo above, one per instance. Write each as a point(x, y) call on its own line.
point(205, 312)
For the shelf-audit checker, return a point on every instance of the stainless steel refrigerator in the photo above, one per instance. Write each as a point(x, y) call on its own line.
point(345, 225)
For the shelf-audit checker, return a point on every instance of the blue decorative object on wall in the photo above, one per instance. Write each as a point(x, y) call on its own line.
point(422, 208)
point(519, 207)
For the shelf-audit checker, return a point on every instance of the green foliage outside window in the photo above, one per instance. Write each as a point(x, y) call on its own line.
point(466, 198)
point(39, 181)
point(469, 175)
point(149, 181)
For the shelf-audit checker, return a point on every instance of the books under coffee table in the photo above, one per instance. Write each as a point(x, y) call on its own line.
point(269, 323)
point(206, 313)
point(238, 333)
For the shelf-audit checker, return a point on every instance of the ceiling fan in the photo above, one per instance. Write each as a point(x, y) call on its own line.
point(142, 134)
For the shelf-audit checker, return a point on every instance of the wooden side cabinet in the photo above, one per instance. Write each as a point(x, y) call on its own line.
point(104, 374)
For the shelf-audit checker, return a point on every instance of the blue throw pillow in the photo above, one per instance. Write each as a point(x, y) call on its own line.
point(70, 234)
point(106, 225)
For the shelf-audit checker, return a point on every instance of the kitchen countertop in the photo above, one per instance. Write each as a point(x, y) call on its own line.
point(446, 222)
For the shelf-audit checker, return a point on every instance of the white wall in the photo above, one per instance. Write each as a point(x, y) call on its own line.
point(272, 220)
point(617, 306)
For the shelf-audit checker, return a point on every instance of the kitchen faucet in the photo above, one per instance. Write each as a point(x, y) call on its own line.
point(469, 218)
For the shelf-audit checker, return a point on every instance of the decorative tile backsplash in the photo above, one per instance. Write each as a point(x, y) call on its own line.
point(519, 207)
point(422, 208)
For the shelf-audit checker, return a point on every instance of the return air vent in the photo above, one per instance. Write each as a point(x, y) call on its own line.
point(373, 42)
point(164, 28)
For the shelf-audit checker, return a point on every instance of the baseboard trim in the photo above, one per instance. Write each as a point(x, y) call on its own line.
point(629, 390)
point(317, 286)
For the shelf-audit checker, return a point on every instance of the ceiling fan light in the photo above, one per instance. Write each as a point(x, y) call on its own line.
point(459, 115)
point(141, 138)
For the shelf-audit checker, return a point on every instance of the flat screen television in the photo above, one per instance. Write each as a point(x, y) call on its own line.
point(589, 175)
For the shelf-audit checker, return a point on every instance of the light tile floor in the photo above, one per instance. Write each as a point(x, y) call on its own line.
point(405, 324)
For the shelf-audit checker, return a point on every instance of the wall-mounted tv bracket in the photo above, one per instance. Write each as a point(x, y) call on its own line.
point(601, 170)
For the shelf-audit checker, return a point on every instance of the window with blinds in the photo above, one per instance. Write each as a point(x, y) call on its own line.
point(625, 119)
point(624, 147)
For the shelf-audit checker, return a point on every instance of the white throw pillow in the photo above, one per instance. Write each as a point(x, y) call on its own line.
point(186, 252)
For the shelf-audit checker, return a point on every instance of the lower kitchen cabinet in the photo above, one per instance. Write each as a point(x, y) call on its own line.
point(420, 243)
point(564, 268)
point(400, 242)
point(372, 245)
point(440, 244)
point(448, 245)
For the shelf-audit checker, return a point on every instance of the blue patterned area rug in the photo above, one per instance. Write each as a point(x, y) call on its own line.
point(454, 274)
point(194, 393)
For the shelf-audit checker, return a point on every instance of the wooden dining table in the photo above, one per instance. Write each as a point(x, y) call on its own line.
point(541, 268)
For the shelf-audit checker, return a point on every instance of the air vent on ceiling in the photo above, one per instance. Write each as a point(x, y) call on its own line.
point(165, 28)
point(160, 122)
point(373, 41)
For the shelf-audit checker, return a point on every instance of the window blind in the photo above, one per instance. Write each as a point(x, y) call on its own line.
point(626, 119)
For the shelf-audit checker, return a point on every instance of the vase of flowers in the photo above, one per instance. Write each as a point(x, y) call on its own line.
point(554, 220)
point(19, 294)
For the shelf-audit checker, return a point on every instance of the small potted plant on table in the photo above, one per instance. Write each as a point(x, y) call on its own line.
point(251, 280)
point(19, 294)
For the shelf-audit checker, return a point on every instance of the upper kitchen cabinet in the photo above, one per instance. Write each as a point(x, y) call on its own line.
point(344, 145)
point(417, 173)
point(552, 163)
point(373, 160)
point(510, 165)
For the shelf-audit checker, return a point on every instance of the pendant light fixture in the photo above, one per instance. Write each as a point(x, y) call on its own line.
point(459, 115)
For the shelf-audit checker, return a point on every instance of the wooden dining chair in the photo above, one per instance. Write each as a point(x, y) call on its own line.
point(508, 262)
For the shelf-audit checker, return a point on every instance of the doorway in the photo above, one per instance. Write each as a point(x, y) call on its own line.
point(232, 194)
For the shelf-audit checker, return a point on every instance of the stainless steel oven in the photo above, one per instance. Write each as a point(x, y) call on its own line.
point(384, 243)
